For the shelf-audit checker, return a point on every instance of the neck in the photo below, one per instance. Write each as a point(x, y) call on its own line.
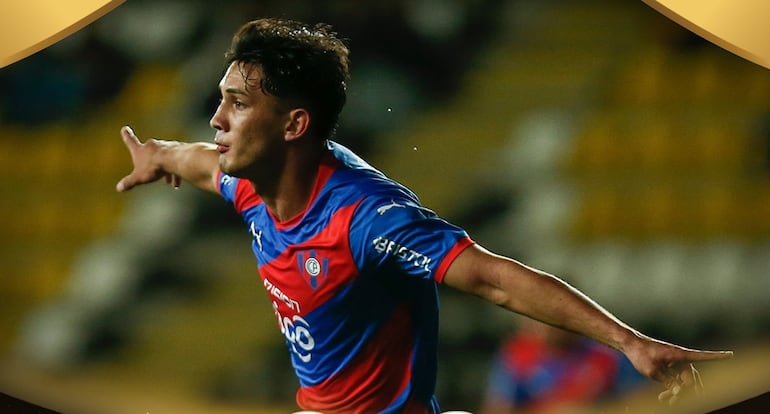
point(289, 192)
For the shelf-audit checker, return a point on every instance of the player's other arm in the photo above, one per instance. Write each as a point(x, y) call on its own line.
point(196, 163)
point(547, 298)
point(539, 295)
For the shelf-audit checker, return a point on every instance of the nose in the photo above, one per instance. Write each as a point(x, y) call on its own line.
point(217, 120)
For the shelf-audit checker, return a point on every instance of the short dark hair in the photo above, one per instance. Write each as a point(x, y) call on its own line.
point(303, 64)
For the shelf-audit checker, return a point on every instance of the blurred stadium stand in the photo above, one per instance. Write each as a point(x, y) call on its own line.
point(596, 138)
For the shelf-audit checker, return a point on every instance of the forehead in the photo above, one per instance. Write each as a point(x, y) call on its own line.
point(243, 77)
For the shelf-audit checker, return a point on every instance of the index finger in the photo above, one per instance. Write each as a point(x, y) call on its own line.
point(709, 355)
point(129, 137)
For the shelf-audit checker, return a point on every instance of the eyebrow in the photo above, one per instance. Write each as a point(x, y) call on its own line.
point(235, 91)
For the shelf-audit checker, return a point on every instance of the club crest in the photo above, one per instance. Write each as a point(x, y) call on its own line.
point(313, 268)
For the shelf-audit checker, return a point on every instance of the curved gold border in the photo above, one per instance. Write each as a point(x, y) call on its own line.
point(738, 27)
point(44, 32)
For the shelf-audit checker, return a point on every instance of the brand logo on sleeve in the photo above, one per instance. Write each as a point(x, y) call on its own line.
point(385, 246)
point(384, 209)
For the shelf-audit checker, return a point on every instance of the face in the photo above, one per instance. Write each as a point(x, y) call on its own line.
point(249, 125)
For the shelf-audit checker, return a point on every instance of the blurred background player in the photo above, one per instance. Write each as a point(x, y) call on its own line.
point(542, 369)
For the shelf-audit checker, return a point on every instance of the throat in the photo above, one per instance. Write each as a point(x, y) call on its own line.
point(286, 212)
point(290, 202)
point(289, 195)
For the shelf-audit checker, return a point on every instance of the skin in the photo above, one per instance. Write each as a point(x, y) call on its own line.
point(257, 138)
point(266, 141)
point(546, 298)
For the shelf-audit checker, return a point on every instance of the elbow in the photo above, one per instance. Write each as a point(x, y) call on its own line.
point(492, 289)
point(500, 298)
point(482, 274)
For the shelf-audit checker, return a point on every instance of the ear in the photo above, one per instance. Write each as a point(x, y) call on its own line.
point(298, 124)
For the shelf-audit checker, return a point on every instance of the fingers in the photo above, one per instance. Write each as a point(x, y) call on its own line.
point(689, 378)
point(670, 396)
point(680, 383)
point(131, 141)
point(128, 182)
point(125, 184)
point(697, 382)
point(710, 355)
point(673, 392)
point(173, 179)
point(129, 137)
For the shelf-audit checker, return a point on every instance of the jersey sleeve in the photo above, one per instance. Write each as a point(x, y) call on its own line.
point(227, 185)
point(238, 192)
point(402, 235)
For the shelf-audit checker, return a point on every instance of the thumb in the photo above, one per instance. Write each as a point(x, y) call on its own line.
point(125, 184)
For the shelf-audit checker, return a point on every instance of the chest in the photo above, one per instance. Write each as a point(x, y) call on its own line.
point(304, 266)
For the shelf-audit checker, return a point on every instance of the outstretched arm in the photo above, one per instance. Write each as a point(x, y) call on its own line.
point(196, 163)
point(521, 289)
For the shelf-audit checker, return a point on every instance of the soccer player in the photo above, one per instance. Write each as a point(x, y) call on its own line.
point(543, 369)
point(349, 257)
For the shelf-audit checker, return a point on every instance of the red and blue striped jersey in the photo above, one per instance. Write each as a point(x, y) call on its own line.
point(352, 280)
point(530, 374)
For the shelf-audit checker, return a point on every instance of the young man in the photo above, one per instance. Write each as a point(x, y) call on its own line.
point(349, 257)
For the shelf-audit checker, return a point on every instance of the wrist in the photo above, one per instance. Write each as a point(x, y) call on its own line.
point(629, 339)
point(164, 156)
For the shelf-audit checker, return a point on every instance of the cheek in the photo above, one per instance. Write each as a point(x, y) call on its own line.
point(252, 142)
point(242, 131)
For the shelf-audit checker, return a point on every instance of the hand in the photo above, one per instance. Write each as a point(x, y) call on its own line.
point(681, 383)
point(672, 366)
point(143, 156)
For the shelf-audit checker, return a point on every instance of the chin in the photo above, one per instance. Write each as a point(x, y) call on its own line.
point(231, 170)
point(226, 167)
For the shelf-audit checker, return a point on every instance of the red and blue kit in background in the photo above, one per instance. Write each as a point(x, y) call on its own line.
point(532, 375)
point(352, 281)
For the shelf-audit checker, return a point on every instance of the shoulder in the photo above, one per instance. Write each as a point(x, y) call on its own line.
point(355, 177)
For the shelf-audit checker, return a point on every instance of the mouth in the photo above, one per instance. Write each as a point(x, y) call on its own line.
point(221, 148)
